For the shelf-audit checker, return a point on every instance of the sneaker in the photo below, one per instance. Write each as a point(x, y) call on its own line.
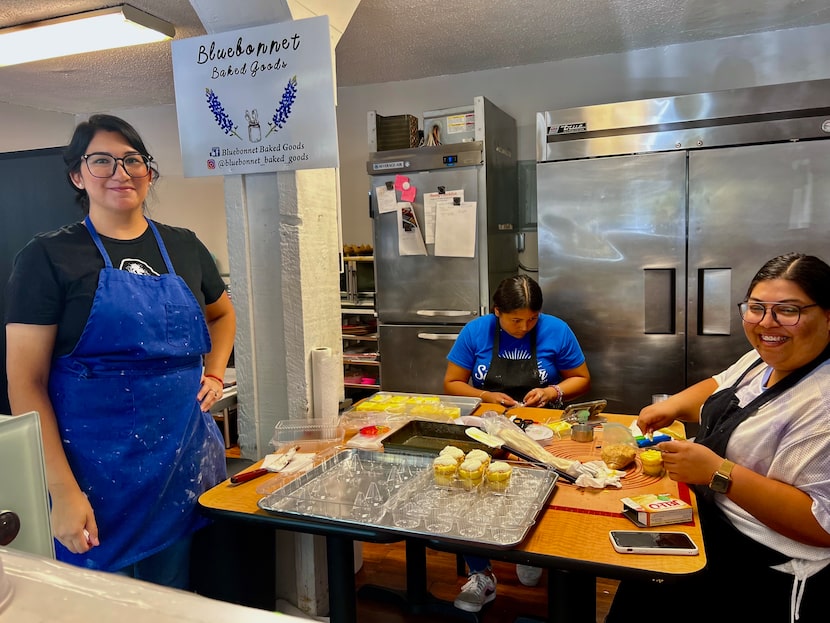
point(529, 576)
point(480, 589)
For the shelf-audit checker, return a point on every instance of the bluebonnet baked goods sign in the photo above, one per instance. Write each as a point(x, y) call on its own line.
point(256, 100)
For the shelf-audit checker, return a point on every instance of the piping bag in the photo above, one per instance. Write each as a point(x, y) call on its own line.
point(277, 466)
point(496, 442)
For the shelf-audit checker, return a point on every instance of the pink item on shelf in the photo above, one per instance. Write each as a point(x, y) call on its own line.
point(367, 380)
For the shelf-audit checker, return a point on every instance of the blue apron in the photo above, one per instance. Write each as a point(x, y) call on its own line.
point(135, 436)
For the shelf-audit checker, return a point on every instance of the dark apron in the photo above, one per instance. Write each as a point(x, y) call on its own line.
point(138, 443)
point(514, 377)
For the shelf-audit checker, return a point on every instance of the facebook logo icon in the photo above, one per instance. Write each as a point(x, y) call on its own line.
point(214, 152)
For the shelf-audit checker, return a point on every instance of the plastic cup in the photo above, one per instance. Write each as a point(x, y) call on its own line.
point(472, 527)
point(405, 517)
point(438, 521)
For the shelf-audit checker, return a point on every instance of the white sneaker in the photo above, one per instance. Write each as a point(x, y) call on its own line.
point(529, 576)
point(480, 589)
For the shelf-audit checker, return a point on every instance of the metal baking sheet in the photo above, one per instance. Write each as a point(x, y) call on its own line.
point(465, 403)
point(429, 438)
point(397, 493)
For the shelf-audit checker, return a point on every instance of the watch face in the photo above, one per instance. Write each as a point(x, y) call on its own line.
point(720, 483)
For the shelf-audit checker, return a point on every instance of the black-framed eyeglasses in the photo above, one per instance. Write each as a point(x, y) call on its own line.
point(104, 165)
point(785, 314)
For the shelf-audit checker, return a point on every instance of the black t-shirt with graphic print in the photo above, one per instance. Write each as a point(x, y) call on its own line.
point(55, 275)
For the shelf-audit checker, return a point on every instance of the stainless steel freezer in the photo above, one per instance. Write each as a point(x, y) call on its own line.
point(422, 301)
point(655, 215)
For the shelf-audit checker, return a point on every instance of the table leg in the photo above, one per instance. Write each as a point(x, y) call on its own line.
point(342, 598)
point(572, 597)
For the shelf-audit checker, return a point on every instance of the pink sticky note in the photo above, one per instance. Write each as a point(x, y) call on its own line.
point(400, 180)
point(408, 194)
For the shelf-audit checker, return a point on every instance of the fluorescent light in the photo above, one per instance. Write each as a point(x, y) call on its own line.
point(115, 27)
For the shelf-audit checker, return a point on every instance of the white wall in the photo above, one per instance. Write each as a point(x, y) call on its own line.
point(767, 58)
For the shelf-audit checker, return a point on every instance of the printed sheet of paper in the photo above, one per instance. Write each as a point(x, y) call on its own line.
point(455, 230)
point(410, 241)
point(430, 204)
point(387, 199)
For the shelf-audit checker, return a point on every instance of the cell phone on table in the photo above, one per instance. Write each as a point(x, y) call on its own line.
point(593, 407)
point(663, 542)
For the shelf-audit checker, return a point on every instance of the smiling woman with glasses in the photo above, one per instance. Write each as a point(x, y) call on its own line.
point(759, 464)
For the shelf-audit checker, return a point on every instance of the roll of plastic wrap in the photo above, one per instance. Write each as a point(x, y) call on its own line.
point(327, 383)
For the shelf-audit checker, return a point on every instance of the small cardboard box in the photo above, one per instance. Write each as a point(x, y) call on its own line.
point(650, 510)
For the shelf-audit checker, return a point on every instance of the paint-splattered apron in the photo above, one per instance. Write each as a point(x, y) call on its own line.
point(125, 399)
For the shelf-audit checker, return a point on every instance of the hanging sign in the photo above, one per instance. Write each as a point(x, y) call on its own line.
point(256, 100)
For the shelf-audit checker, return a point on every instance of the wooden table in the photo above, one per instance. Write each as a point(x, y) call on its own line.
point(571, 542)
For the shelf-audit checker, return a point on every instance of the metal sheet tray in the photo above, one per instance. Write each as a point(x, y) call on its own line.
point(397, 493)
point(429, 438)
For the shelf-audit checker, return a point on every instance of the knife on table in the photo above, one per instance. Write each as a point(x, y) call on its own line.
point(277, 466)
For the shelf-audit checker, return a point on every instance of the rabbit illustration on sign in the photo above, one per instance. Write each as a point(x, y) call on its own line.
point(254, 131)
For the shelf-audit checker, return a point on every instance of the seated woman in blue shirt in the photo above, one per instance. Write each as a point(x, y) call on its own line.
point(516, 354)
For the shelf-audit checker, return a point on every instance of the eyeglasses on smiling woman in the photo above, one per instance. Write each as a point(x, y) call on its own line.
point(104, 165)
point(785, 314)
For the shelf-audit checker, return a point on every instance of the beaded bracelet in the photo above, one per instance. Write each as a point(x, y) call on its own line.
point(560, 397)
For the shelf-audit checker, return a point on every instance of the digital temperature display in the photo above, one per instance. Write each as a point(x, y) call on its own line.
point(450, 160)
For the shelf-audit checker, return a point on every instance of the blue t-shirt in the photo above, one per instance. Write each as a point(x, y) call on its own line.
point(556, 348)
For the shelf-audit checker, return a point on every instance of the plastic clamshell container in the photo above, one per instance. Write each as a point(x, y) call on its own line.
point(310, 435)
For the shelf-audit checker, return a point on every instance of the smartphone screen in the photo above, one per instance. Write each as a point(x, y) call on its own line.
point(641, 542)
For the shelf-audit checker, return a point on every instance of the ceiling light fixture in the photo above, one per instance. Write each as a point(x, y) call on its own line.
point(104, 29)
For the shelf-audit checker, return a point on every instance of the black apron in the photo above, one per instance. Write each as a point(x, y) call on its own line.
point(514, 377)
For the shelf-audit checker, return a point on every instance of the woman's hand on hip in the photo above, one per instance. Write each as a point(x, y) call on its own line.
point(210, 392)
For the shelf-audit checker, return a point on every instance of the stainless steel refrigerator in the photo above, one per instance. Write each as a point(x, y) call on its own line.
point(423, 301)
point(654, 215)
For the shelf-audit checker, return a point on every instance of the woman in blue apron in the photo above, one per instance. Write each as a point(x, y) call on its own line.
point(759, 463)
point(122, 355)
point(514, 355)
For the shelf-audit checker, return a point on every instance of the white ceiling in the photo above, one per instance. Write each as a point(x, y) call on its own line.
point(391, 40)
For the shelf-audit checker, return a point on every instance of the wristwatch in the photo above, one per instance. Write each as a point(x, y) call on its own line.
point(722, 478)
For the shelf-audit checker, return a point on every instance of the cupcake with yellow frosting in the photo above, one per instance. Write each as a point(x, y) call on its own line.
point(498, 475)
point(471, 473)
point(444, 469)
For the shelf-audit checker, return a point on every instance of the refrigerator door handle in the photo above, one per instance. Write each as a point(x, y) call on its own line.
point(438, 336)
point(444, 312)
point(659, 294)
point(716, 308)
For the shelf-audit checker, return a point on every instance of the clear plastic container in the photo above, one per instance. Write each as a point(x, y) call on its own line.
point(310, 435)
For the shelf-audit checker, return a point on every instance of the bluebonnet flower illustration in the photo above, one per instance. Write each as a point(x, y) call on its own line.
point(222, 118)
point(284, 108)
